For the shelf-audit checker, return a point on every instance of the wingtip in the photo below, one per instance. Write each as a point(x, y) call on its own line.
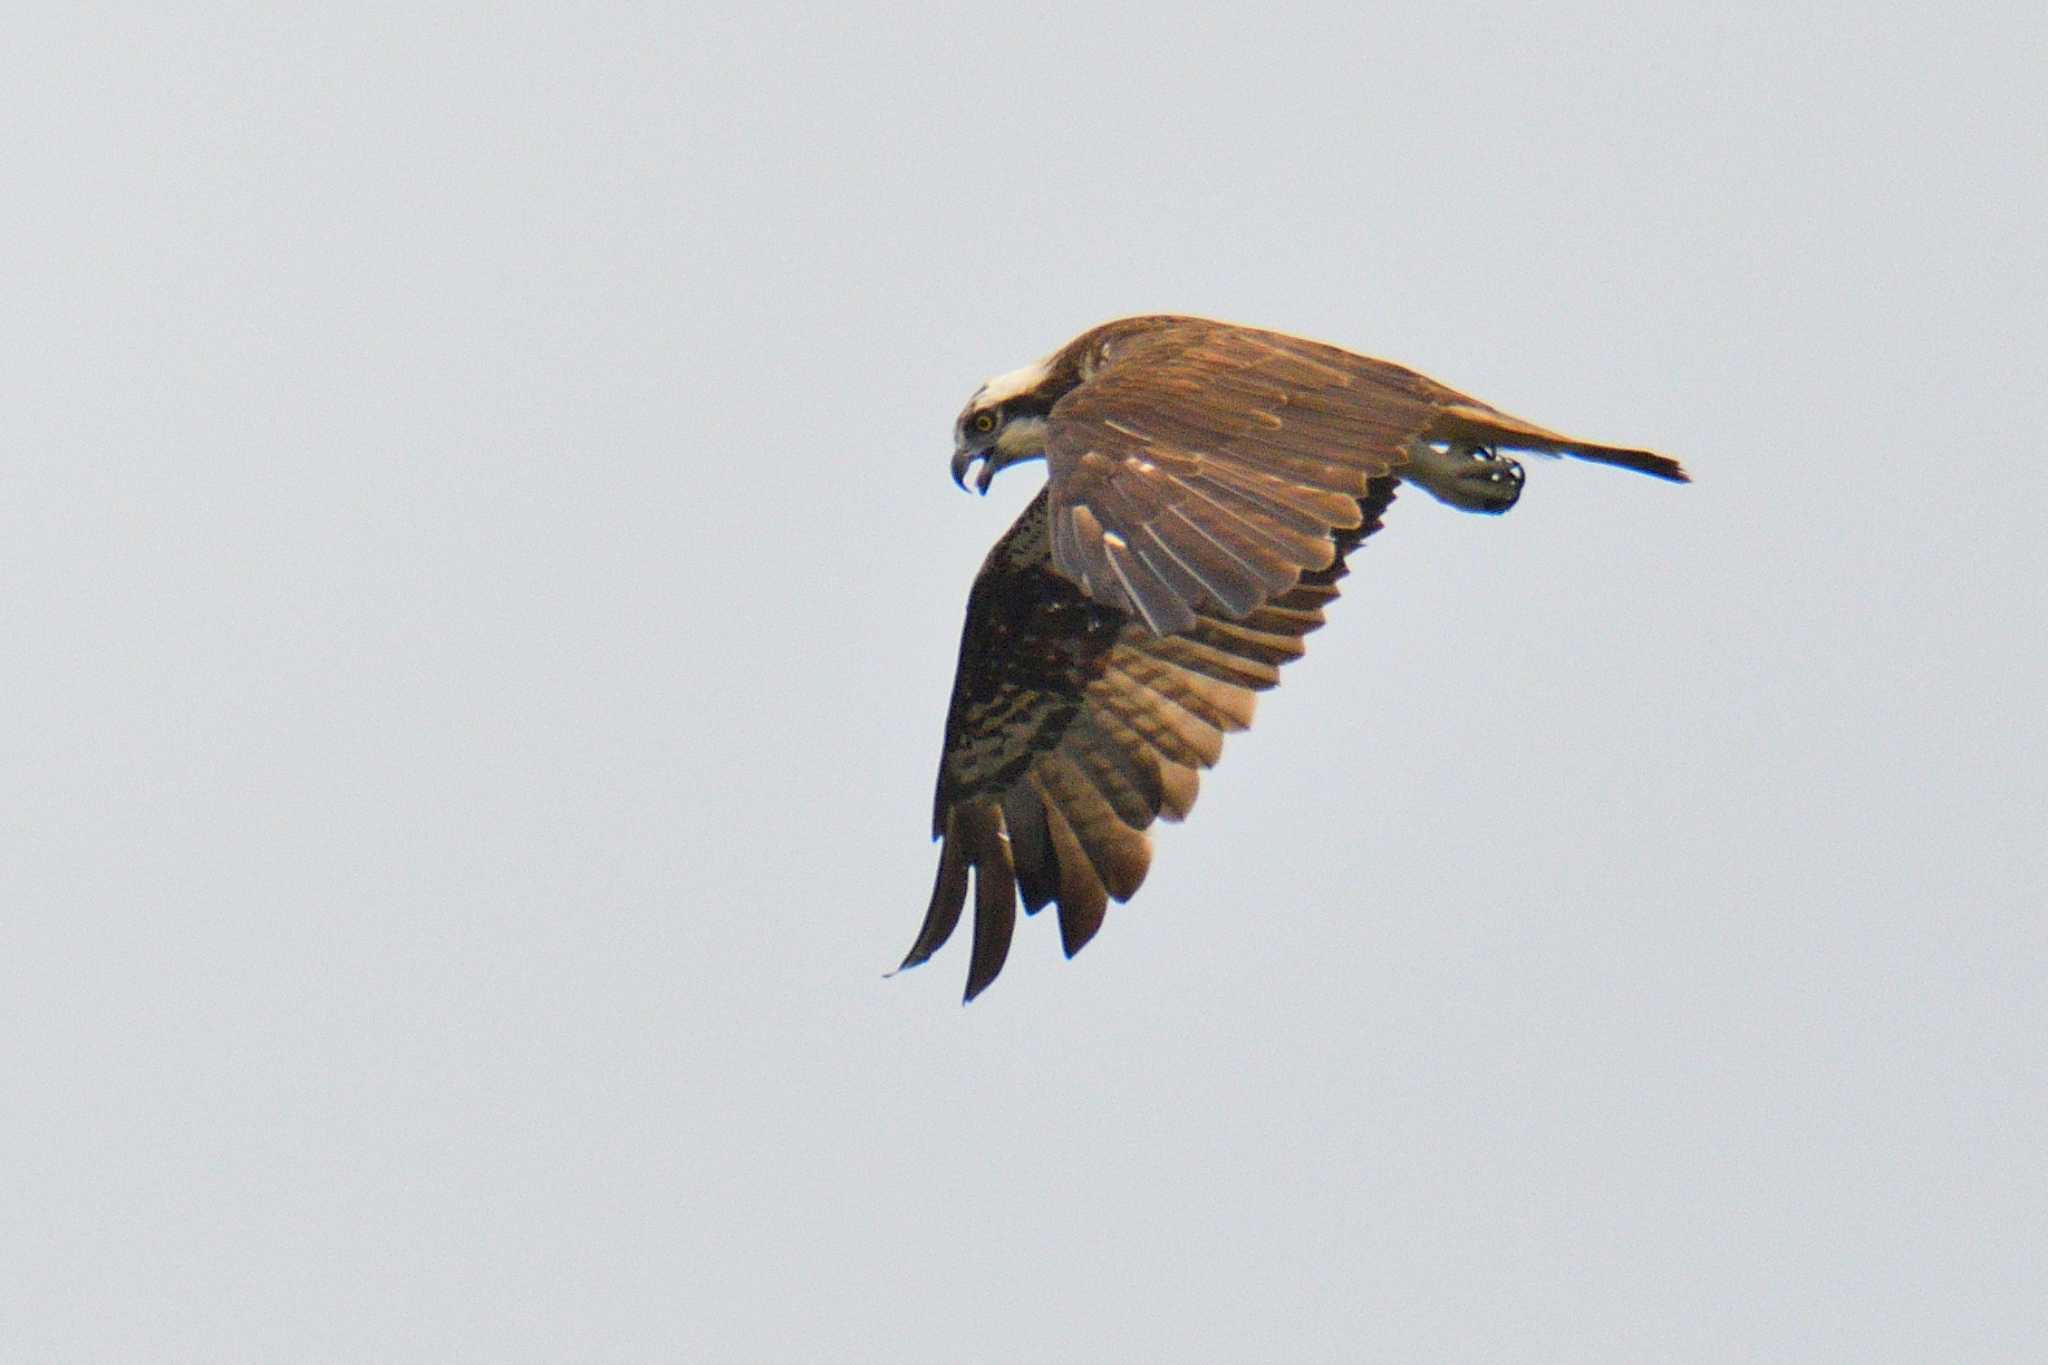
point(977, 982)
point(982, 975)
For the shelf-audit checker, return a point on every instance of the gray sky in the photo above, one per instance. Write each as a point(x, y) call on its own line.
point(483, 586)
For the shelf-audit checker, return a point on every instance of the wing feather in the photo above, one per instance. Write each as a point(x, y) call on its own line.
point(1179, 784)
point(1024, 821)
point(1119, 854)
point(1211, 662)
point(1308, 511)
point(1300, 542)
point(1177, 733)
point(1222, 706)
point(949, 896)
point(1152, 596)
point(1263, 445)
point(1230, 580)
point(1186, 584)
point(1127, 777)
point(1073, 727)
point(995, 893)
point(1083, 901)
point(1262, 546)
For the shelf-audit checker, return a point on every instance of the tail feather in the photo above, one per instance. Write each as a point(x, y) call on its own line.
point(1486, 426)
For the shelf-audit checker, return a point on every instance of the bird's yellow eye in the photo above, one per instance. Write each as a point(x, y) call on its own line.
point(985, 423)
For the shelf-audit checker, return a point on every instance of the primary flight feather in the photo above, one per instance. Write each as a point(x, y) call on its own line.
point(1206, 483)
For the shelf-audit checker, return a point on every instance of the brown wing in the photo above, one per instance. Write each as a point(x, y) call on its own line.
point(1072, 727)
point(1205, 467)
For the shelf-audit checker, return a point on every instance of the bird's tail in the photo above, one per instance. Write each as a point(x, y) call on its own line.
point(1479, 425)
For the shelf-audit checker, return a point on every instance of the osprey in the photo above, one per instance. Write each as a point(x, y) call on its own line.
point(1205, 485)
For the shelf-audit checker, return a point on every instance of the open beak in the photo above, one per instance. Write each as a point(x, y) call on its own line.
point(964, 458)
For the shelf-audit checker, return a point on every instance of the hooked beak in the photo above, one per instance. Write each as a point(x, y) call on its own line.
point(963, 458)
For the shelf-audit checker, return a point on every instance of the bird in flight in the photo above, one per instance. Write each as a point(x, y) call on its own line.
point(1206, 483)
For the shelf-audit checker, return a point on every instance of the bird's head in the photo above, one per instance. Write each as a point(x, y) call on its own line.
point(1003, 423)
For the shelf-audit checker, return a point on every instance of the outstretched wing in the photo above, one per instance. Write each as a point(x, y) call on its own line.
point(1073, 727)
point(1205, 467)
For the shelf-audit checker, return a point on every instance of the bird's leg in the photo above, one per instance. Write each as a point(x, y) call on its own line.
point(1471, 478)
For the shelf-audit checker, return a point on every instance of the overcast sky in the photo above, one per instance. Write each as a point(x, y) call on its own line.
point(482, 586)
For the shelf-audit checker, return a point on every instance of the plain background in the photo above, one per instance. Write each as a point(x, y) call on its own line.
point(482, 586)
